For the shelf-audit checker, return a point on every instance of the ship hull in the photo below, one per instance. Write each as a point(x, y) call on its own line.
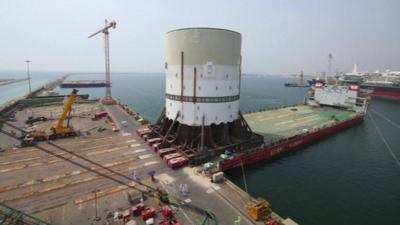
point(388, 92)
point(386, 95)
point(251, 158)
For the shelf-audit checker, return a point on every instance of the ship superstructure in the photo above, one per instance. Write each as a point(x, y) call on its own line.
point(347, 97)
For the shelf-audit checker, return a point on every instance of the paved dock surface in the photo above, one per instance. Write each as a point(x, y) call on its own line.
point(62, 193)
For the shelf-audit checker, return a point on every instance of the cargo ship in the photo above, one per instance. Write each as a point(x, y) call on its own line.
point(327, 110)
point(382, 89)
point(300, 83)
point(378, 84)
point(313, 81)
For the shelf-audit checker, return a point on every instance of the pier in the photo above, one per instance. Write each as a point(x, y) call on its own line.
point(11, 81)
point(59, 192)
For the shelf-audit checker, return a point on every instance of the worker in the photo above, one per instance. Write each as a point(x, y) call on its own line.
point(142, 199)
point(116, 215)
point(237, 221)
point(135, 175)
point(151, 174)
point(181, 188)
point(185, 189)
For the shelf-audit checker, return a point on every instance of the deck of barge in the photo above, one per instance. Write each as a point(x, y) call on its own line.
point(291, 121)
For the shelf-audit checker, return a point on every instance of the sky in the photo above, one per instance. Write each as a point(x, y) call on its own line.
point(278, 36)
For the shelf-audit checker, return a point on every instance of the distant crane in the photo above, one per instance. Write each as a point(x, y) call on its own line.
point(330, 56)
point(108, 100)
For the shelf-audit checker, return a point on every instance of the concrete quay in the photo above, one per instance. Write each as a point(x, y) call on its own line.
point(59, 192)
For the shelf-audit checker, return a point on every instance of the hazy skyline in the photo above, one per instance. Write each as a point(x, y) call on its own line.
point(279, 37)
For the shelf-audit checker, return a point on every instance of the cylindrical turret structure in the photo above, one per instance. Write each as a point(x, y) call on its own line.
point(201, 118)
point(203, 76)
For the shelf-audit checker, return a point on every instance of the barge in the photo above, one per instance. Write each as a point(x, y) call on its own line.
point(83, 84)
point(328, 109)
point(288, 129)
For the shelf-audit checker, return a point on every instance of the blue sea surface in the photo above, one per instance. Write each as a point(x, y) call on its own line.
point(19, 89)
point(348, 178)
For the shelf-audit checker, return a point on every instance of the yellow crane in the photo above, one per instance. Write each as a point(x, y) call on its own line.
point(259, 209)
point(59, 130)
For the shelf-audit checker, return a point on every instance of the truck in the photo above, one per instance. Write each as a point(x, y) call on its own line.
point(99, 116)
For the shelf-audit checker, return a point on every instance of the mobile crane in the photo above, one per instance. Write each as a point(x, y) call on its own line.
point(59, 130)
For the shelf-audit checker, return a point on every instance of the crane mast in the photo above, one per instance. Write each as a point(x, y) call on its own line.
point(108, 100)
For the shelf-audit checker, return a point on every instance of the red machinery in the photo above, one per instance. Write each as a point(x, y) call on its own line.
point(166, 212)
point(177, 162)
point(143, 131)
point(153, 141)
point(137, 209)
point(171, 156)
point(99, 116)
point(166, 151)
point(155, 146)
point(148, 213)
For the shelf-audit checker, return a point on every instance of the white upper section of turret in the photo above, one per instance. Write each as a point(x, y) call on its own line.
point(203, 75)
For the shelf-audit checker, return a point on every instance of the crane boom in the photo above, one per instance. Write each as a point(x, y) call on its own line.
point(67, 109)
point(112, 24)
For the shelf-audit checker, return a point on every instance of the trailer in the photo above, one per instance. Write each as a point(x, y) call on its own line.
point(145, 137)
point(166, 151)
point(153, 141)
point(177, 162)
point(166, 158)
point(155, 146)
point(143, 131)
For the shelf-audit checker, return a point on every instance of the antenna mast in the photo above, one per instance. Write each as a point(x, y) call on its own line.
point(330, 56)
